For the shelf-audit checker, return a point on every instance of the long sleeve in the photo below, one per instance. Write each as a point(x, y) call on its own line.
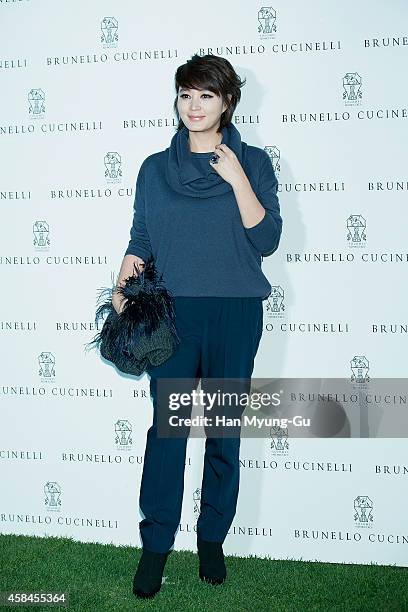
point(139, 243)
point(265, 236)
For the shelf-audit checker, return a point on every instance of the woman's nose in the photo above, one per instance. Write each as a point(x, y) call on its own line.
point(195, 104)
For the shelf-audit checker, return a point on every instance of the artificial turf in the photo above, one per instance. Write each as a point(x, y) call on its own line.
point(98, 578)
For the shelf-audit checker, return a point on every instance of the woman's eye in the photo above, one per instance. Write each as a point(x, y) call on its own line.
point(208, 95)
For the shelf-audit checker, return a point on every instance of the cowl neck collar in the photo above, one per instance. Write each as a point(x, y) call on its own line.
point(185, 177)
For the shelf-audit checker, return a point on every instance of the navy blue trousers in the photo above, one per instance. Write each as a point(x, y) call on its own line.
point(219, 338)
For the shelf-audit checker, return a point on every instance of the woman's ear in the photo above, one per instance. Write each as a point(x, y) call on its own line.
point(229, 96)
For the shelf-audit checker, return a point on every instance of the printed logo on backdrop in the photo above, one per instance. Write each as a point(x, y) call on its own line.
point(356, 226)
point(266, 22)
point(52, 492)
point(352, 92)
point(196, 502)
point(274, 155)
point(275, 306)
point(46, 362)
point(113, 167)
point(36, 105)
point(359, 369)
point(41, 231)
point(363, 511)
point(241, 530)
point(279, 440)
point(109, 36)
point(123, 435)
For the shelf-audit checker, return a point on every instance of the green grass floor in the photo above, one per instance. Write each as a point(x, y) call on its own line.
point(99, 577)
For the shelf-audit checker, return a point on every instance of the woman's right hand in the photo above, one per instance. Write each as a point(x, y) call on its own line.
point(127, 269)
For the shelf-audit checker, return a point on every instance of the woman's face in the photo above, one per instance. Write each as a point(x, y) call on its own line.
point(204, 104)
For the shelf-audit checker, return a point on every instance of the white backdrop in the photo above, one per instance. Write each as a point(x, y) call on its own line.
point(86, 95)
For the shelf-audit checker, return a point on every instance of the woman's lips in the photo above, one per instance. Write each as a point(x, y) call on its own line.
point(195, 118)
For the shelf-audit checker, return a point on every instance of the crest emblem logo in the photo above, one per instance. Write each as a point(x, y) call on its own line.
point(109, 28)
point(36, 98)
point(274, 302)
point(274, 155)
point(266, 22)
point(359, 369)
point(41, 233)
point(279, 440)
point(197, 501)
point(113, 167)
point(47, 365)
point(123, 434)
point(352, 91)
point(52, 492)
point(363, 511)
point(356, 226)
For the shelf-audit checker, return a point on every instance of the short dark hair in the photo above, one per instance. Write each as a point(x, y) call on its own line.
point(213, 73)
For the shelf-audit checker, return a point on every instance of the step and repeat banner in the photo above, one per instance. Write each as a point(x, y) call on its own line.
point(87, 92)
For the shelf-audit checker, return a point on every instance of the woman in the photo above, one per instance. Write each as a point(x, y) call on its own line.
point(206, 208)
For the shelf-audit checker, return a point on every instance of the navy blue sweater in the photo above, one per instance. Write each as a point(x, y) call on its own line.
point(186, 215)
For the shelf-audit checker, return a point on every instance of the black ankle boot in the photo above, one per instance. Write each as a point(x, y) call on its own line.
point(148, 578)
point(212, 567)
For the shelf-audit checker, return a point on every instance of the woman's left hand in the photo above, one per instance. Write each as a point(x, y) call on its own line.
point(228, 166)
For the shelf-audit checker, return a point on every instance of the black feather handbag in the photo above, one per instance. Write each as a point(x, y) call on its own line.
point(145, 332)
